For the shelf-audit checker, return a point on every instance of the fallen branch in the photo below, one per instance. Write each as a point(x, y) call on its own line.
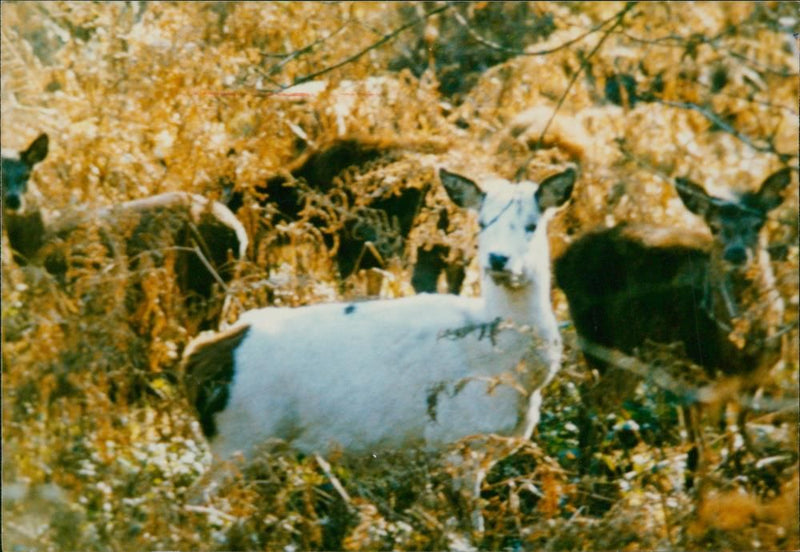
point(326, 468)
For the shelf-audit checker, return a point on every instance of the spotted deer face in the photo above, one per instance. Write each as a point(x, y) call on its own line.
point(512, 243)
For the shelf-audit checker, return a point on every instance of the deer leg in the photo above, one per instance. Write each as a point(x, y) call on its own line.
point(741, 423)
point(695, 458)
point(468, 476)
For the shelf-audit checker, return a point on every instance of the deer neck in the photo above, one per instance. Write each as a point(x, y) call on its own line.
point(531, 337)
point(528, 305)
point(744, 300)
point(25, 233)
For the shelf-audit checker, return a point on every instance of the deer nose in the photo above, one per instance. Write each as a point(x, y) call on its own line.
point(735, 255)
point(497, 262)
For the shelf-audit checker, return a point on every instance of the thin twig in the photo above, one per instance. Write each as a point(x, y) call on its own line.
point(763, 66)
point(334, 481)
point(641, 163)
point(584, 63)
point(668, 526)
point(659, 41)
point(379, 43)
point(209, 511)
point(635, 366)
point(786, 108)
point(688, 393)
point(210, 268)
point(652, 169)
point(681, 42)
point(198, 249)
point(304, 50)
point(619, 16)
point(494, 46)
point(718, 121)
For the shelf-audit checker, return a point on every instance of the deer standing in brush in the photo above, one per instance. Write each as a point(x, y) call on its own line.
point(716, 298)
point(425, 370)
point(203, 232)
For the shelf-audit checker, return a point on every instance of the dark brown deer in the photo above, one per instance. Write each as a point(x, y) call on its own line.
point(372, 232)
point(205, 234)
point(22, 222)
point(633, 285)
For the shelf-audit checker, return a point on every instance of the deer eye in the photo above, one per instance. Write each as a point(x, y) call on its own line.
point(530, 228)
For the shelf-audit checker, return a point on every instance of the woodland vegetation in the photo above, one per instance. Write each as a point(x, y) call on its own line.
point(321, 125)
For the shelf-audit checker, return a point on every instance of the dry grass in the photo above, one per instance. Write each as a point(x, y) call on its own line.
point(99, 446)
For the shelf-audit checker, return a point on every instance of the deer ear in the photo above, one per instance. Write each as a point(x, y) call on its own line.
point(555, 190)
point(694, 197)
point(36, 151)
point(771, 193)
point(462, 191)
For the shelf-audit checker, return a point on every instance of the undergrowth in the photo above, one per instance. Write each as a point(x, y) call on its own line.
point(100, 448)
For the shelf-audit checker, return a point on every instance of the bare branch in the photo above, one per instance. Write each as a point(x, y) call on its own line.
point(304, 50)
point(326, 468)
point(378, 44)
point(650, 168)
point(709, 393)
point(763, 66)
point(717, 120)
point(785, 108)
point(499, 47)
point(618, 17)
point(682, 42)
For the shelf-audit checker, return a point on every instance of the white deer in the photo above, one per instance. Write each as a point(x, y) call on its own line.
point(423, 370)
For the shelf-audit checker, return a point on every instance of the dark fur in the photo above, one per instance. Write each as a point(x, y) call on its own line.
point(320, 168)
point(637, 288)
point(208, 370)
point(145, 227)
point(622, 291)
point(23, 224)
point(629, 285)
